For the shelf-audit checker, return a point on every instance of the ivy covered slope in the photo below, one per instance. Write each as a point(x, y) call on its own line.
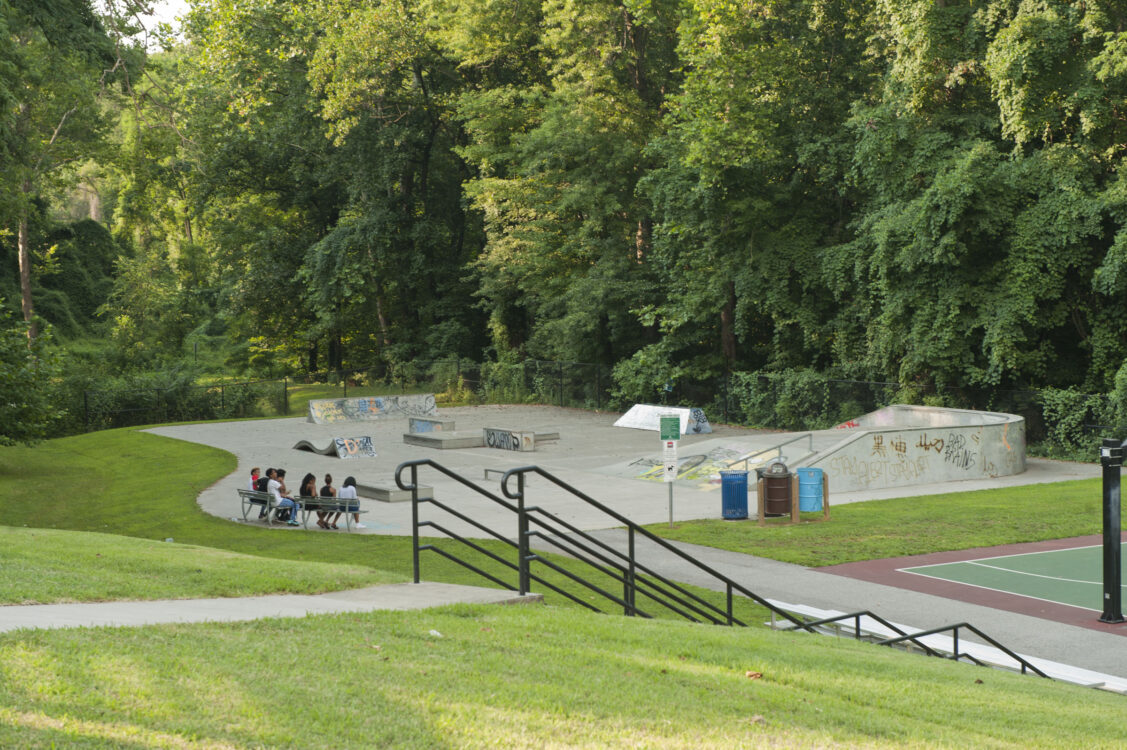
point(904, 191)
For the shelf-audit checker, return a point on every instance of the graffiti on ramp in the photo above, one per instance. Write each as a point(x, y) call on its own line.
point(341, 447)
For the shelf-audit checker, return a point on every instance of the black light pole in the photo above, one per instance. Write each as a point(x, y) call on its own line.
point(1111, 458)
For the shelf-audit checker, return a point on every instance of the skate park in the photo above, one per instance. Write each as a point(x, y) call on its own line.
point(897, 451)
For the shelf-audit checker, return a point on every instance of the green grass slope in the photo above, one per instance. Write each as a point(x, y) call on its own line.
point(523, 676)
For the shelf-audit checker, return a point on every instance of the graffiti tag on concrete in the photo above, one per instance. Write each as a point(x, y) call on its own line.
point(366, 408)
point(508, 440)
point(355, 447)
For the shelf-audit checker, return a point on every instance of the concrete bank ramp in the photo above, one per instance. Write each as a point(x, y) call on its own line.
point(903, 445)
point(897, 446)
point(370, 408)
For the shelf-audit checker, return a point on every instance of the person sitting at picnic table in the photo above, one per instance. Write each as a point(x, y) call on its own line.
point(277, 488)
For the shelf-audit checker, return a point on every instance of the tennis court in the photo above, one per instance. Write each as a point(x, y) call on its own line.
point(1059, 579)
point(1073, 577)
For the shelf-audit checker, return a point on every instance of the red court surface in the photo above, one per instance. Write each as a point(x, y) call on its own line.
point(888, 572)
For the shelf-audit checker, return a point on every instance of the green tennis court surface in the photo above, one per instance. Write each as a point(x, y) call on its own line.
point(1066, 576)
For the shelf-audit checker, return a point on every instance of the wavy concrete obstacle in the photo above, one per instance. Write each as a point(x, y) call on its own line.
point(354, 447)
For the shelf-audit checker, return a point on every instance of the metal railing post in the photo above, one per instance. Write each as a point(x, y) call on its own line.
point(522, 541)
point(630, 588)
point(731, 617)
point(415, 520)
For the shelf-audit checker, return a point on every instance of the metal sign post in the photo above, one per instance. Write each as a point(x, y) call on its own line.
point(1111, 459)
point(670, 434)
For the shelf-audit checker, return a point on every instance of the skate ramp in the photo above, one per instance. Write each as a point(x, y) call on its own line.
point(369, 408)
point(341, 447)
point(897, 446)
point(903, 445)
point(648, 417)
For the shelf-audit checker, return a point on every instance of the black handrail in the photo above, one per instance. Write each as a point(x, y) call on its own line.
point(903, 637)
point(665, 592)
point(1025, 665)
point(635, 528)
point(624, 567)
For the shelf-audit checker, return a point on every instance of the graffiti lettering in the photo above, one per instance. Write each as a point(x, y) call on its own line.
point(956, 454)
point(935, 445)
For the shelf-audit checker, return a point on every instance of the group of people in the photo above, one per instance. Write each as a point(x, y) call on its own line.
point(274, 482)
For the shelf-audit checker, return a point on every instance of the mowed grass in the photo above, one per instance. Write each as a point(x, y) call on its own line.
point(911, 525)
point(522, 676)
point(49, 565)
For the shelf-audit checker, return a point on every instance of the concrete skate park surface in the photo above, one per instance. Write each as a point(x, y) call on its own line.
point(591, 454)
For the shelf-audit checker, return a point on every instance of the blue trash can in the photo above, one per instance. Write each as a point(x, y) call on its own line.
point(809, 490)
point(733, 495)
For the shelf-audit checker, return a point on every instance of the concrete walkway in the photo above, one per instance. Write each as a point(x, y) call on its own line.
point(399, 596)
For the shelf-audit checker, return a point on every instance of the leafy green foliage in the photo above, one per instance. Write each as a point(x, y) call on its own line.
point(28, 407)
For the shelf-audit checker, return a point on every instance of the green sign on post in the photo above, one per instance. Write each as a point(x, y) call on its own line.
point(670, 427)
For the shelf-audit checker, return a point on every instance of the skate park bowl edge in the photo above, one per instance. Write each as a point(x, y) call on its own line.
point(902, 445)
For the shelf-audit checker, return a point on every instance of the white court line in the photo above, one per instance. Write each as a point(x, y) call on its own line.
point(1022, 554)
point(1032, 575)
point(999, 591)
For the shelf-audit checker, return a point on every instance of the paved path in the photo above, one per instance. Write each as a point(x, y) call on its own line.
point(399, 596)
point(1104, 652)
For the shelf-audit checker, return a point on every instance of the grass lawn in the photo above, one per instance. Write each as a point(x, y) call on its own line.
point(521, 676)
point(911, 525)
point(51, 565)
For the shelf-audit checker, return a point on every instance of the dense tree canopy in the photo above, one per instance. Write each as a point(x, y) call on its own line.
point(906, 190)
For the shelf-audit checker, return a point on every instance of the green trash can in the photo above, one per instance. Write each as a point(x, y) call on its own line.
point(809, 490)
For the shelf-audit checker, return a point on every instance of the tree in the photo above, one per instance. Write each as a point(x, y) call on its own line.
point(59, 55)
point(27, 367)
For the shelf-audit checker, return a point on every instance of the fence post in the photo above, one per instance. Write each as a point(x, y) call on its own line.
point(559, 370)
point(598, 389)
point(285, 396)
point(222, 403)
point(86, 410)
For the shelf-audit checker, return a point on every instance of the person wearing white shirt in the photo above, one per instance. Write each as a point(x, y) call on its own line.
point(277, 488)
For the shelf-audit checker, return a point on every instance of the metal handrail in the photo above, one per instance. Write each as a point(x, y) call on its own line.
point(632, 575)
point(903, 637)
point(606, 559)
point(1025, 664)
point(636, 529)
point(745, 460)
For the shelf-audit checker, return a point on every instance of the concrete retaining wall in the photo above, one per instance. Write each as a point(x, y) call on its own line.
point(905, 445)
